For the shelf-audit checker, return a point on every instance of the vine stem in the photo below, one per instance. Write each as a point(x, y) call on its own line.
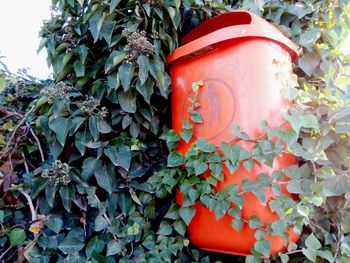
point(15, 131)
point(37, 142)
point(30, 203)
point(6, 251)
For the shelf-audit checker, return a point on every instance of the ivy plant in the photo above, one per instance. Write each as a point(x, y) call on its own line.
point(88, 163)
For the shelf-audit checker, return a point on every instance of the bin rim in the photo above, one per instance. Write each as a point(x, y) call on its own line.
point(197, 39)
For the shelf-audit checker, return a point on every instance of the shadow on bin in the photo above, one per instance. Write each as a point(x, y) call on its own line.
point(240, 58)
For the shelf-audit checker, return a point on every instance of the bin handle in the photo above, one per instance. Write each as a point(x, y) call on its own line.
point(202, 41)
point(233, 18)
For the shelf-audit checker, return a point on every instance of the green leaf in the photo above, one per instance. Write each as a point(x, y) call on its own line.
point(89, 166)
point(100, 223)
point(95, 24)
point(264, 180)
point(61, 128)
point(106, 178)
point(200, 167)
point(113, 5)
point(114, 59)
point(113, 247)
point(107, 30)
point(146, 90)
point(186, 135)
point(284, 257)
point(50, 193)
point(221, 208)
point(119, 156)
point(310, 253)
point(17, 237)
point(263, 247)
point(180, 227)
point(248, 165)
point(252, 259)
point(79, 68)
point(127, 101)
point(278, 227)
point(175, 159)
point(93, 127)
point(237, 224)
point(67, 194)
point(254, 222)
point(126, 71)
point(95, 245)
point(103, 126)
point(164, 229)
point(261, 195)
point(187, 213)
point(248, 185)
point(143, 63)
point(309, 62)
point(73, 242)
point(312, 242)
point(55, 224)
point(308, 38)
point(3, 84)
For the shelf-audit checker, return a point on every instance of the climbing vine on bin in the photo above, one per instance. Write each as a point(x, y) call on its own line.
point(86, 175)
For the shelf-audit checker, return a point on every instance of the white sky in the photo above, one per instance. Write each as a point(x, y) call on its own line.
point(20, 23)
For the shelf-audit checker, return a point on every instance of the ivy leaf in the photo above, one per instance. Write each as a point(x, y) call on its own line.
point(312, 242)
point(126, 71)
point(309, 62)
point(103, 126)
point(186, 135)
point(200, 167)
point(187, 213)
point(114, 59)
point(175, 159)
point(95, 245)
point(105, 178)
point(308, 38)
point(263, 247)
point(95, 24)
point(50, 193)
point(17, 237)
point(180, 227)
point(120, 156)
point(79, 68)
point(237, 224)
point(93, 127)
point(67, 194)
point(61, 127)
point(164, 229)
point(248, 165)
point(113, 247)
point(100, 223)
point(89, 166)
point(55, 224)
point(127, 101)
point(254, 222)
point(73, 242)
point(143, 63)
point(310, 253)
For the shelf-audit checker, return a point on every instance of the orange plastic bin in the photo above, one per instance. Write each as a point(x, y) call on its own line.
point(243, 61)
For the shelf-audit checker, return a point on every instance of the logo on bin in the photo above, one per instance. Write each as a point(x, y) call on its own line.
point(217, 109)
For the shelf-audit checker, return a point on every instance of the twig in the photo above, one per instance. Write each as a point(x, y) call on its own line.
point(30, 203)
point(37, 142)
point(6, 251)
point(15, 131)
point(105, 216)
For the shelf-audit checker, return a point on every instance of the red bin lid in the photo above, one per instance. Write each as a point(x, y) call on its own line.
point(231, 25)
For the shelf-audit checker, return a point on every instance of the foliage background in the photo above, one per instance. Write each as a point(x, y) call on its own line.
point(83, 164)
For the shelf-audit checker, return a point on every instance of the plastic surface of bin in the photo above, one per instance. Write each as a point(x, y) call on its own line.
point(244, 63)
